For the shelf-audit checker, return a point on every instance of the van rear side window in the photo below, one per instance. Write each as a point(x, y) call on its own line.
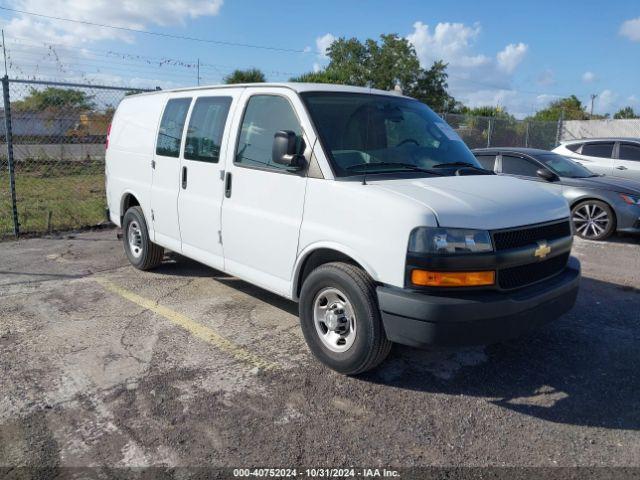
point(206, 127)
point(171, 126)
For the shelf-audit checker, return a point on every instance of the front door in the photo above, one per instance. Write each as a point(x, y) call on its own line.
point(166, 174)
point(262, 209)
point(627, 165)
point(202, 177)
point(526, 169)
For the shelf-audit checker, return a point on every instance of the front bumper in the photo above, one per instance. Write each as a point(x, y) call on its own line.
point(476, 318)
point(627, 218)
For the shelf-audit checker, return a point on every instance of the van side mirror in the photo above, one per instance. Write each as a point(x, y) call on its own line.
point(285, 143)
point(547, 175)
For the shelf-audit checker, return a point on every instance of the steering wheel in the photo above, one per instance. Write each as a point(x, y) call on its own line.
point(407, 140)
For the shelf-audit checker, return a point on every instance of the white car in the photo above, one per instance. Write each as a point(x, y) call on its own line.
point(614, 157)
point(362, 205)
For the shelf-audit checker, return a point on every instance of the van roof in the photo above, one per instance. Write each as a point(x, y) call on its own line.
point(298, 87)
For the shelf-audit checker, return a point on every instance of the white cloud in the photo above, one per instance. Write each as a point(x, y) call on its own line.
point(545, 99)
point(589, 77)
point(125, 13)
point(316, 67)
point(546, 78)
point(323, 43)
point(50, 49)
point(511, 56)
point(631, 29)
point(450, 42)
point(475, 78)
point(606, 102)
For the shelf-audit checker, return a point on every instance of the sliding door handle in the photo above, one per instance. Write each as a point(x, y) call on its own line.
point(227, 185)
point(621, 167)
point(184, 177)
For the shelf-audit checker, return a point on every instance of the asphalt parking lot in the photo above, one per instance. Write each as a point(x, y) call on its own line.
point(105, 365)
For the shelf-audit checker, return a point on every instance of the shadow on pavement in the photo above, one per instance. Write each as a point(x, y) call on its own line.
point(580, 370)
point(178, 265)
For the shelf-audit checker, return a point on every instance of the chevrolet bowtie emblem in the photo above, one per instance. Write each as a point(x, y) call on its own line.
point(543, 250)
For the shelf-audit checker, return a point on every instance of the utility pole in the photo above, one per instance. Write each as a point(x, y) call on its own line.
point(198, 72)
point(593, 97)
point(4, 52)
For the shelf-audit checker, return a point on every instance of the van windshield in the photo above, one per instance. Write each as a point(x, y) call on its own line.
point(367, 133)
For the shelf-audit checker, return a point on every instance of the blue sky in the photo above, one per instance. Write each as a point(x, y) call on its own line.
point(516, 54)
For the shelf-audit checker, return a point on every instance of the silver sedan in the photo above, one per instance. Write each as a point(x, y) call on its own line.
point(600, 205)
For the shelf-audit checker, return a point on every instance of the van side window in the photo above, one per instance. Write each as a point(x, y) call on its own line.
point(263, 117)
point(206, 126)
point(171, 126)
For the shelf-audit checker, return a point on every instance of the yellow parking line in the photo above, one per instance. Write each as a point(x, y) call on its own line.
point(200, 331)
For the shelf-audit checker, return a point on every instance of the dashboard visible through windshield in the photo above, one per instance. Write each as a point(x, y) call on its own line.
point(368, 133)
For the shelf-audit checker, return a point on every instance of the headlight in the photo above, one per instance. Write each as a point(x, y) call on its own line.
point(630, 199)
point(443, 241)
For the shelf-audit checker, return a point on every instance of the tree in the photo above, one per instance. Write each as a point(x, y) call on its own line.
point(431, 88)
point(626, 112)
point(252, 75)
point(384, 64)
point(572, 107)
point(486, 111)
point(54, 99)
point(323, 76)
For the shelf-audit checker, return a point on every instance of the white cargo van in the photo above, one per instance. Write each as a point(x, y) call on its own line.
point(362, 205)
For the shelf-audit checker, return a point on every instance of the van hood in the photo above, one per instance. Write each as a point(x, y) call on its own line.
point(486, 202)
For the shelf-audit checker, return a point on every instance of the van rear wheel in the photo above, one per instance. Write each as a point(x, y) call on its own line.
point(340, 318)
point(141, 251)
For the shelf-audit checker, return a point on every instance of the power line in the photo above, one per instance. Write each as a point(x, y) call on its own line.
point(25, 47)
point(157, 34)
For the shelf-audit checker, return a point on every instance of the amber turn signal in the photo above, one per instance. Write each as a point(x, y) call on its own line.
point(425, 278)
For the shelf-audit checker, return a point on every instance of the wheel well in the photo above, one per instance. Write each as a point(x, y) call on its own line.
point(320, 257)
point(128, 201)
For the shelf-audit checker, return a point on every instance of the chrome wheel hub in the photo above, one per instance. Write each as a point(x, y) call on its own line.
point(590, 220)
point(134, 235)
point(334, 319)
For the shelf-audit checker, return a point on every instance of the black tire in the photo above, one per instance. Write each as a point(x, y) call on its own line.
point(603, 220)
point(370, 345)
point(147, 255)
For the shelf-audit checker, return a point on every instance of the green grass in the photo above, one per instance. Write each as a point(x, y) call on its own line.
point(74, 200)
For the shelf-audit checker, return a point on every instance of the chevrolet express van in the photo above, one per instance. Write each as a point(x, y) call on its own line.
point(362, 205)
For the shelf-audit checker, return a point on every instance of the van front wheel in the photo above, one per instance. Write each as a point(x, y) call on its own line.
point(340, 318)
point(141, 252)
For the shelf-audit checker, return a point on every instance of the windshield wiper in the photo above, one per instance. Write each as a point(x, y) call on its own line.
point(408, 166)
point(462, 164)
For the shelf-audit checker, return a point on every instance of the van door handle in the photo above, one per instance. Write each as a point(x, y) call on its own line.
point(621, 167)
point(227, 185)
point(184, 177)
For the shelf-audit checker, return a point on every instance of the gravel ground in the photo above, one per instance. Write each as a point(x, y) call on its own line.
point(103, 365)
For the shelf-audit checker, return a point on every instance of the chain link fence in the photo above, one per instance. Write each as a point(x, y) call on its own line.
point(54, 179)
point(57, 132)
point(481, 132)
